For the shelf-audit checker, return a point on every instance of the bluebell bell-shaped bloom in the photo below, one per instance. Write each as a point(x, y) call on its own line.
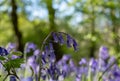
point(3, 51)
point(66, 57)
point(83, 61)
point(55, 37)
point(61, 40)
point(14, 57)
point(111, 60)
point(36, 52)
point(103, 53)
point(52, 57)
point(32, 63)
point(78, 77)
point(47, 51)
point(53, 71)
point(69, 41)
point(13, 78)
point(29, 47)
point(116, 71)
point(73, 68)
point(75, 45)
point(83, 70)
point(11, 47)
point(51, 47)
point(27, 79)
point(103, 65)
point(44, 61)
point(94, 64)
point(66, 69)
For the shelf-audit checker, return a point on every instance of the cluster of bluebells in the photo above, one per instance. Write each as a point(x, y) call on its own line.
point(94, 69)
point(70, 41)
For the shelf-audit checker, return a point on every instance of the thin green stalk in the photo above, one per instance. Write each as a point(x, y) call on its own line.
point(40, 56)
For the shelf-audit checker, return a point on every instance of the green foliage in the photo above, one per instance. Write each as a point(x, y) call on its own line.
point(2, 58)
point(18, 53)
point(84, 17)
point(15, 63)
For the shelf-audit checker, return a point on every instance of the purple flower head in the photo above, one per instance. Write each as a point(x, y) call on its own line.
point(103, 53)
point(51, 47)
point(72, 66)
point(27, 79)
point(32, 63)
point(58, 38)
point(116, 71)
point(75, 45)
point(47, 51)
point(52, 57)
point(103, 65)
point(61, 40)
point(111, 60)
point(93, 63)
point(55, 37)
point(49, 54)
point(29, 47)
point(53, 71)
point(78, 77)
point(44, 61)
point(69, 41)
point(83, 61)
point(65, 70)
point(11, 47)
point(3, 52)
point(13, 78)
point(83, 70)
point(36, 52)
point(66, 57)
point(14, 57)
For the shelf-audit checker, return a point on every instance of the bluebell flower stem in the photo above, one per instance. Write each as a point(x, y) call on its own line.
point(40, 56)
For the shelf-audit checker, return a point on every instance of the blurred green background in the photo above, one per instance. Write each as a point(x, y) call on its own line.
point(92, 23)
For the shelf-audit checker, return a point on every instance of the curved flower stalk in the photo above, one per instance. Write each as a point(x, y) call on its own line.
point(48, 57)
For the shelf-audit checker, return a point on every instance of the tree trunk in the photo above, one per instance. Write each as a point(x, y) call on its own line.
point(93, 44)
point(14, 19)
point(51, 13)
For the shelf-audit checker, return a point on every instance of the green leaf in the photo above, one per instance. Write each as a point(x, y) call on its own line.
point(15, 63)
point(18, 53)
point(2, 58)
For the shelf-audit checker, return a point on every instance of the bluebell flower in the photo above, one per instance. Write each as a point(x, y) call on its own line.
point(103, 53)
point(32, 63)
point(61, 40)
point(94, 64)
point(83, 61)
point(3, 51)
point(44, 61)
point(13, 78)
point(53, 71)
point(51, 47)
point(30, 47)
point(36, 52)
point(69, 41)
point(75, 45)
point(27, 79)
point(55, 37)
point(66, 57)
point(47, 51)
point(78, 77)
point(11, 47)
